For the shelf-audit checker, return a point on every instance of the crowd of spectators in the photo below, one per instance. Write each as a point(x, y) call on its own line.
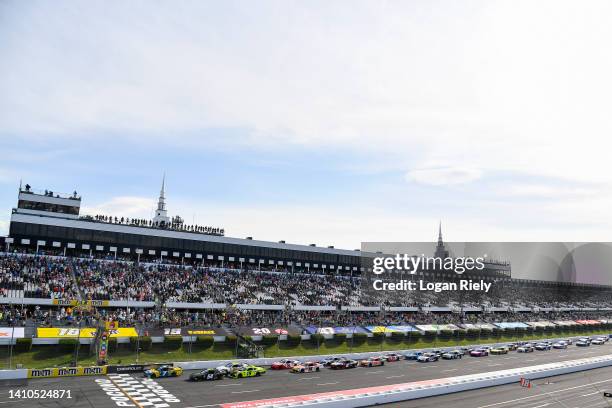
point(70, 278)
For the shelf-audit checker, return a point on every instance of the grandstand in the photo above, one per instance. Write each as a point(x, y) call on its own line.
point(162, 271)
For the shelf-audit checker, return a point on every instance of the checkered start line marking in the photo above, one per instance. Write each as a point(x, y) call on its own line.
point(127, 391)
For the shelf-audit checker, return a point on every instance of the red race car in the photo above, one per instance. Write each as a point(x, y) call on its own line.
point(372, 362)
point(284, 364)
point(392, 357)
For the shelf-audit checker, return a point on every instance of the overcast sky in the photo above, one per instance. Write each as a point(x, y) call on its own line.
point(331, 122)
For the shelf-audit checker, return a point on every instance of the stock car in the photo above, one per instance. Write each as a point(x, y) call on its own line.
point(428, 358)
point(210, 374)
point(452, 355)
point(499, 350)
point(567, 341)
point(479, 352)
point(392, 357)
point(328, 361)
point(343, 364)
point(526, 348)
point(163, 371)
point(307, 367)
point(372, 362)
point(598, 341)
point(560, 345)
point(412, 356)
point(543, 346)
point(583, 343)
point(248, 371)
point(226, 369)
point(284, 364)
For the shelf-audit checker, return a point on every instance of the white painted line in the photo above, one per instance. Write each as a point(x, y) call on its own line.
point(375, 372)
point(543, 405)
point(395, 376)
point(242, 392)
point(590, 393)
point(331, 383)
point(308, 378)
point(228, 385)
point(452, 369)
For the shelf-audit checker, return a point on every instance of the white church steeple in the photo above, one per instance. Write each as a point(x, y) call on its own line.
point(161, 215)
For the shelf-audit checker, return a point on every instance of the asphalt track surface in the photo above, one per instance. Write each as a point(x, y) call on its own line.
point(98, 391)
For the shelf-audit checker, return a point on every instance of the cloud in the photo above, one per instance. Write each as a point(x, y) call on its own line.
point(138, 207)
point(443, 176)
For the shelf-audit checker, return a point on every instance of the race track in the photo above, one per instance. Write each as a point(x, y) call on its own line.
point(98, 391)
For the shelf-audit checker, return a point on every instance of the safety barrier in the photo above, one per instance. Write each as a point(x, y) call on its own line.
point(407, 391)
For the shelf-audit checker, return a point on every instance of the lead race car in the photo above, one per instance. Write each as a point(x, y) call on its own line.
point(163, 371)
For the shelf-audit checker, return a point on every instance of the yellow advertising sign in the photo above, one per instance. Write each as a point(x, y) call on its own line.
point(380, 329)
point(65, 332)
point(123, 332)
point(66, 372)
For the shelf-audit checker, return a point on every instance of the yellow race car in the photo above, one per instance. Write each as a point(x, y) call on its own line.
point(499, 350)
point(163, 371)
point(248, 371)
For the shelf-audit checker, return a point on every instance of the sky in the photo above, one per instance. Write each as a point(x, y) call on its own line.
point(327, 122)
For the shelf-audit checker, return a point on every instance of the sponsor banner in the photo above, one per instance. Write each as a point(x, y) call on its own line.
point(588, 322)
point(511, 325)
point(65, 332)
point(12, 332)
point(74, 302)
point(436, 327)
point(134, 368)
point(208, 331)
point(477, 326)
point(66, 372)
point(123, 332)
point(541, 323)
point(334, 330)
point(390, 329)
point(264, 331)
point(565, 323)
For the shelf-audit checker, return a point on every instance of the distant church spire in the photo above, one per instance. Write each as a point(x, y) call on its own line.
point(161, 203)
point(161, 215)
point(441, 251)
